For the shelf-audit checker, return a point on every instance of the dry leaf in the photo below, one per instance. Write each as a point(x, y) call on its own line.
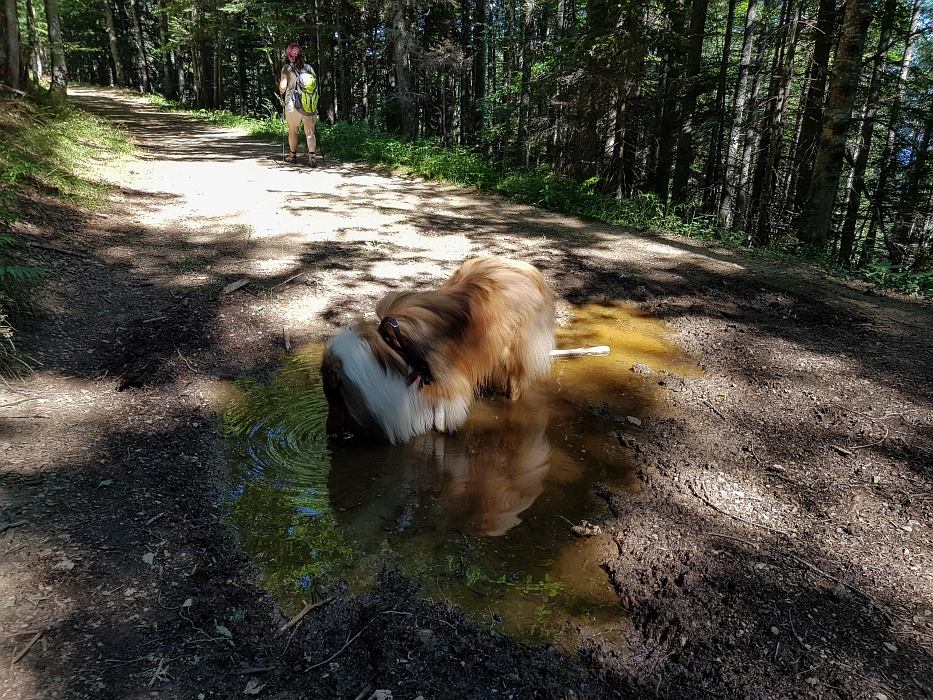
point(586, 529)
point(253, 687)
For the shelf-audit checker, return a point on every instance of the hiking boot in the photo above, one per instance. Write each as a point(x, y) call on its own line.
point(312, 160)
point(292, 157)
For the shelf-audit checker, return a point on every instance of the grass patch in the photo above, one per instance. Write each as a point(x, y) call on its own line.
point(54, 148)
point(189, 264)
point(51, 148)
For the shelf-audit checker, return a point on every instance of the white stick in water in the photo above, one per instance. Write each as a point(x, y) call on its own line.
point(581, 352)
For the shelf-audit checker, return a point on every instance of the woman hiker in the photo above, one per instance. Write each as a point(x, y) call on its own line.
point(294, 115)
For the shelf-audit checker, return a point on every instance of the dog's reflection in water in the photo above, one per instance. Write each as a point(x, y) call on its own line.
point(478, 480)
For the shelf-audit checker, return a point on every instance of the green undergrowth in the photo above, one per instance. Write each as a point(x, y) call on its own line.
point(542, 188)
point(899, 278)
point(54, 148)
point(48, 148)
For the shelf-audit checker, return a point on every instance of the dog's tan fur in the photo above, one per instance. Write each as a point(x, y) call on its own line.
point(490, 326)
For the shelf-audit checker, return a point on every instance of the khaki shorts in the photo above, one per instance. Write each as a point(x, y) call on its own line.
point(293, 117)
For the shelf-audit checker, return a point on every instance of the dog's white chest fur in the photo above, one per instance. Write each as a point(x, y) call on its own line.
point(385, 401)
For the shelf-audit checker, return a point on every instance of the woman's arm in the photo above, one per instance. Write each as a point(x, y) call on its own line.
point(283, 83)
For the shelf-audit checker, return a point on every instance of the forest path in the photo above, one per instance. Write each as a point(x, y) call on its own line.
point(777, 546)
point(205, 185)
point(206, 188)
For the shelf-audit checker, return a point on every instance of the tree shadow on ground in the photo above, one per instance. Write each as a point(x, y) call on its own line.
point(145, 477)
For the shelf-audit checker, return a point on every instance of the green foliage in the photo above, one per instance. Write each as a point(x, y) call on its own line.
point(16, 280)
point(46, 146)
point(189, 264)
point(896, 277)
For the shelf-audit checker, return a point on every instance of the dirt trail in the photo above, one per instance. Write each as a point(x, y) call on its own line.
point(778, 547)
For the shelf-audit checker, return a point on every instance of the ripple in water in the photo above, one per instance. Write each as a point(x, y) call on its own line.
point(483, 516)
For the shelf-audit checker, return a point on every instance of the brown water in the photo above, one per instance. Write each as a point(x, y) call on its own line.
point(483, 516)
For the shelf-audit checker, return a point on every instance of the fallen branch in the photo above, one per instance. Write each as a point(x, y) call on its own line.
point(233, 286)
point(29, 645)
point(363, 693)
point(340, 651)
point(831, 577)
point(10, 526)
point(581, 352)
point(160, 673)
point(288, 280)
point(714, 409)
point(17, 403)
point(185, 360)
point(288, 339)
point(736, 517)
point(304, 611)
point(7, 88)
point(737, 539)
point(63, 251)
point(261, 669)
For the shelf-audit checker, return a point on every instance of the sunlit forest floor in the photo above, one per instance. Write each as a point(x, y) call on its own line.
point(776, 542)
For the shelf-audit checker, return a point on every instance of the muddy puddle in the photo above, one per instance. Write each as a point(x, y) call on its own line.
point(483, 517)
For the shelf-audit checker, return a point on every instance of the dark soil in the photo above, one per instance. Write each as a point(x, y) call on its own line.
point(779, 545)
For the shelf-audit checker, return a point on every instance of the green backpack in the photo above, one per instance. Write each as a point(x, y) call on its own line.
point(305, 95)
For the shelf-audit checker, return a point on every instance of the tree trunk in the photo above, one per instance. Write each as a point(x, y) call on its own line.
point(769, 146)
point(821, 197)
point(466, 75)
point(727, 201)
point(748, 152)
point(910, 215)
point(167, 53)
point(241, 67)
point(140, 47)
point(886, 157)
point(217, 102)
point(479, 67)
point(713, 176)
point(688, 104)
point(11, 44)
point(869, 116)
point(59, 85)
point(812, 121)
point(35, 54)
point(402, 45)
point(180, 67)
point(524, 105)
point(670, 116)
point(114, 47)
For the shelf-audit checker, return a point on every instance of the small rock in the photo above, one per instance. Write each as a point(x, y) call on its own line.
point(775, 631)
point(641, 368)
point(148, 558)
point(890, 647)
point(633, 420)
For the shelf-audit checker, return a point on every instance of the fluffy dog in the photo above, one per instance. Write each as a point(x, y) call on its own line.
point(490, 326)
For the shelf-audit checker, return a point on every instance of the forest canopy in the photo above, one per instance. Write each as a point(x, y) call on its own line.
point(797, 125)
